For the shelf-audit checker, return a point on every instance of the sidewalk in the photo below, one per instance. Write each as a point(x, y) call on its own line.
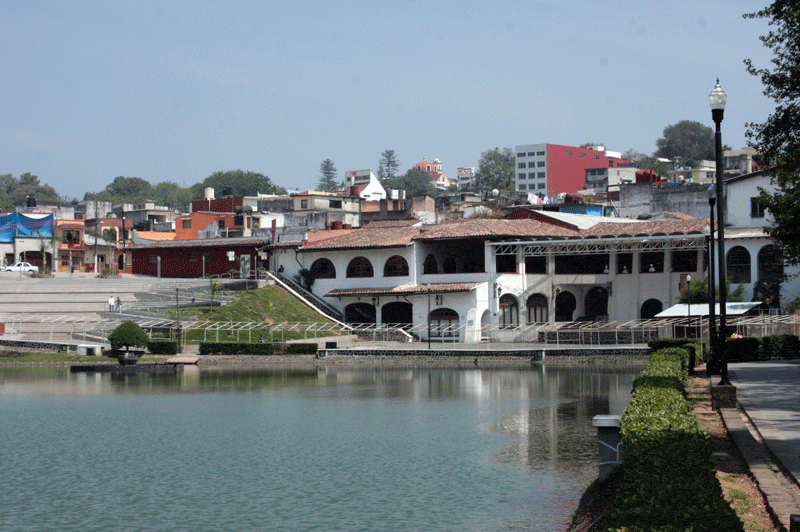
point(768, 394)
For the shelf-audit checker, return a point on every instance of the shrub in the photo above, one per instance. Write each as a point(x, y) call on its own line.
point(234, 348)
point(128, 334)
point(163, 347)
point(301, 349)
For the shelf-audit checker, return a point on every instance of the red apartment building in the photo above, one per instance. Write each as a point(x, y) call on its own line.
point(550, 169)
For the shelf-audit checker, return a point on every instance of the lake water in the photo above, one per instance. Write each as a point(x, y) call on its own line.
point(334, 448)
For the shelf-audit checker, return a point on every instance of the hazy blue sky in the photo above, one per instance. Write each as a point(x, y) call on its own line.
point(174, 91)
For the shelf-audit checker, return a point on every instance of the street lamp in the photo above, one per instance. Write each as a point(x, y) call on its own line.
point(717, 99)
point(689, 321)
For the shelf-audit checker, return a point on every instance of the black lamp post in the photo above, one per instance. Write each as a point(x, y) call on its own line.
point(717, 99)
point(429, 315)
point(712, 299)
point(689, 321)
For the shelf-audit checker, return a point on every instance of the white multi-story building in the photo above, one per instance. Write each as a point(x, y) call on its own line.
point(466, 175)
point(364, 184)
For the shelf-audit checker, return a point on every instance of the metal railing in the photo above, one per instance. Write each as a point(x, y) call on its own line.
point(312, 298)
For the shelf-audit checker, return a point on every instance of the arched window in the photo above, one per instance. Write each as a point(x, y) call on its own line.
point(396, 266)
point(650, 308)
point(359, 267)
point(509, 312)
point(738, 265)
point(323, 269)
point(537, 308)
point(430, 265)
point(444, 323)
point(770, 264)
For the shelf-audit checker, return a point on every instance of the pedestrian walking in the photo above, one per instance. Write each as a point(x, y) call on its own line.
point(111, 304)
point(119, 305)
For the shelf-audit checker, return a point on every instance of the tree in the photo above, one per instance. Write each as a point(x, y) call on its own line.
point(327, 176)
point(242, 184)
point(387, 165)
point(414, 182)
point(778, 138)
point(128, 334)
point(645, 162)
point(699, 289)
point(690, 141)
point(495, 169)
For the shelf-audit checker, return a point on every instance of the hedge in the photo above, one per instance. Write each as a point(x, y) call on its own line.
point(163, 347)
point(301, 349)
point(751, 349)
point(234, 348)
point(667, 478)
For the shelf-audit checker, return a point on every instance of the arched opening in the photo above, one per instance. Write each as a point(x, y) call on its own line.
point(537, 308)
point(396, 266)
point(359, 313)
point(359, 267)
point(444, 323)
point(121, 263)
point(565, 306)
point(596, 303)
point(430, 265)
point(397, 312)
point(323, 269)
point(509, 312)
point(738, 265)
point(650, 308)
point(770, 264)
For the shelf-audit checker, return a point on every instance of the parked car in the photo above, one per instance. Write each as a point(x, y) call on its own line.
point(22, 267)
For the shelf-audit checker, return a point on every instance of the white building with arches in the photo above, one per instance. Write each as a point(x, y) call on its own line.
point(456, 281)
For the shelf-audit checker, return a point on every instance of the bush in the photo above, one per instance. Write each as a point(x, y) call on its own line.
point(301, 349)
point(668, 481)
point(163, 347)
point(234, 348)
point(128, 334)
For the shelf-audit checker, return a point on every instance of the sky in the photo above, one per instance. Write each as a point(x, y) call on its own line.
point(175, 91)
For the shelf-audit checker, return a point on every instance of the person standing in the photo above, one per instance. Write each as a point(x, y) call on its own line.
point(119, 305)
point(111, 303)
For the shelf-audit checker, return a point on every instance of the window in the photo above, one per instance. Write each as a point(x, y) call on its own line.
point(444, 323)
point(522, 176)
point(536, 265)
point(521, 165)
point(323, 269)
point(65, 260)
point(738, 265)
point(531, 164)
point(506, 263)
point(335, 204)
point(221, 224)
point(651, 262)
point(540, 164)
point(583, 156)
point(530, 154)
point(152, 258)
point(430, 265)
point(542, 185)
point(596, 157)
point(509, 312)
point(569, 153)
point(395, 266)
point(770, 265)
point(540, 174)
point(304, 204)
point(756, 209)
point(186, 224)
point(537, 309)
point(522, 187)
point(193, 257)
point(540, 153)
point(684, 261)
point(360, 267)
point(521, 154)
point(624, 262)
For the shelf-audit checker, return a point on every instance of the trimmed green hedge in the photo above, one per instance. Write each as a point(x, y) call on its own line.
point(301, 349)
point(234, 348)
point(751, 349)
point(162, 347)
point(668, 481)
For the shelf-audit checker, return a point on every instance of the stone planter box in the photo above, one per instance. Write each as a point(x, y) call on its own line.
point(128, 358)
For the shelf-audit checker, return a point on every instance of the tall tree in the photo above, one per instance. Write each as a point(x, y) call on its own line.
point(495, 169)
point(691, 141)
point(778, 138)
point(388, 165)
point(242, 183)
point(646, 162)
point(327, 176)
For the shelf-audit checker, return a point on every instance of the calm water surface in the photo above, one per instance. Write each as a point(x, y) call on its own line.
point(323, 449)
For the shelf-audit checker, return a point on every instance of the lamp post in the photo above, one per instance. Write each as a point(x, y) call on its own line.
point(689, 321)
point(717, 99)
point(712, 299)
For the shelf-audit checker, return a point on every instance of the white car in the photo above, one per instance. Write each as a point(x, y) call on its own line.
point(22, 267)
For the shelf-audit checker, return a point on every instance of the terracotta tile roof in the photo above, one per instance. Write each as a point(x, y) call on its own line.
point(391, 223)
point(203, 243)
point(156, 235)
point(667, 227)
point(494, 228)
point(437, 288)
point(388, 237)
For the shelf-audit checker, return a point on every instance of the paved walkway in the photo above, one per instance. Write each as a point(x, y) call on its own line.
point(769, 396)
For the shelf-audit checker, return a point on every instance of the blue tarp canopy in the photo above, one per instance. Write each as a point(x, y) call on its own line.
point(21, 225)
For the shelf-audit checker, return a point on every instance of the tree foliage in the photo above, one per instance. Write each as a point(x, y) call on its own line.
point(388, 165)
point(691, 141)
point(128, 334)
point(414, 182)
point(495, 169)
point(699, 291)
point(778, 138)
point(14, 191)
point(242, 183)
point(327, 176)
